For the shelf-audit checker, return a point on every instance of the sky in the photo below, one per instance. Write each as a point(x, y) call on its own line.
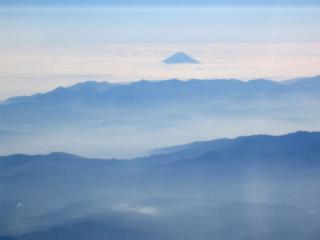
point(166, 21)
point(160, 2)
point(66, 38)
point(157, 25)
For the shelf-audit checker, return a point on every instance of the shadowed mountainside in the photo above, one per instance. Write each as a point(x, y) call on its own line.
point(262, 186)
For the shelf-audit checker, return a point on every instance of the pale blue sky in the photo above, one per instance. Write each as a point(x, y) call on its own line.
point(160, 2)
point(41, 25)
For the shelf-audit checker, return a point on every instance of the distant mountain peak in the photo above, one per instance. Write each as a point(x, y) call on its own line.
point(180, 58)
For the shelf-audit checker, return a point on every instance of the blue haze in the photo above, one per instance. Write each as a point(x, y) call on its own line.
point(163, 2)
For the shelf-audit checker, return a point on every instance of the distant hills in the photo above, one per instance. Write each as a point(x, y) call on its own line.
point(246, 184)
point(110, 115)
point(170, 88)
point(180, 58)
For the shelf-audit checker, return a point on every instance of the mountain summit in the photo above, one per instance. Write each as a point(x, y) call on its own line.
point(180, 58)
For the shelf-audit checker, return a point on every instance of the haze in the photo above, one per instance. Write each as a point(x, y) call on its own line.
point(57, 44)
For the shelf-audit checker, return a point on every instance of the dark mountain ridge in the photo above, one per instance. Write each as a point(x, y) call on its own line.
point(253, 183)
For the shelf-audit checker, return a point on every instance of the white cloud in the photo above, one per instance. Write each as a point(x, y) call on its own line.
point(26, 69)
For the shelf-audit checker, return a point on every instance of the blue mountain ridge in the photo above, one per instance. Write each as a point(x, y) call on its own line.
point(200, 185)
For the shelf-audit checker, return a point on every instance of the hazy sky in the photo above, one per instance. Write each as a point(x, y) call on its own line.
point(165, 21)
point(41, 39)
point(159, 2)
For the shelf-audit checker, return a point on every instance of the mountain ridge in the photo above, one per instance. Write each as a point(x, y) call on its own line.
point(176, 111)
point(234, 179)
point(201, 145)
point(97, 87)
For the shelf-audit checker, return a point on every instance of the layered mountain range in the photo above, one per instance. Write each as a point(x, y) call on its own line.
point(143, 176)
point(254, 187)
point(122, 120)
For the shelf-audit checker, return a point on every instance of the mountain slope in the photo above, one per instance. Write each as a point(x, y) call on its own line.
point(172, 111)
point(253, 183)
